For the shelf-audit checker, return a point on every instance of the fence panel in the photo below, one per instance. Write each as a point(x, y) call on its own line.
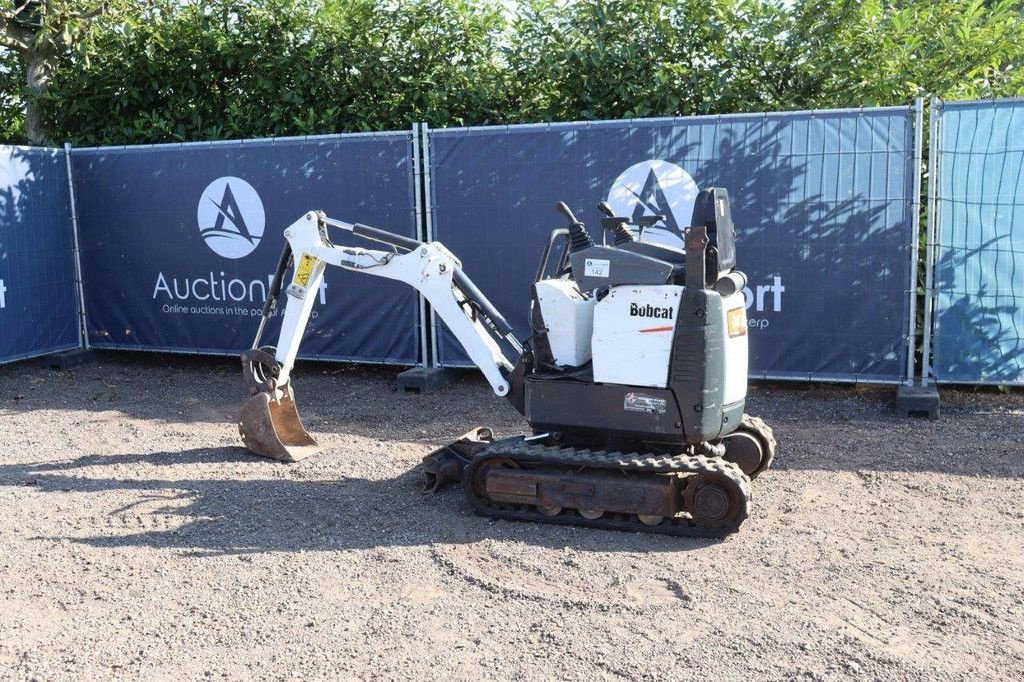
point(179, 242)
point(38, 305)
point(823, 201)
point(978, 249)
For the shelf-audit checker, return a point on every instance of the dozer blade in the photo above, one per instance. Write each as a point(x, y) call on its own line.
point(272, 428)
point(445, 465)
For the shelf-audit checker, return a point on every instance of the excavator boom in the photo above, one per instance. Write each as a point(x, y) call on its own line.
point(270, 423)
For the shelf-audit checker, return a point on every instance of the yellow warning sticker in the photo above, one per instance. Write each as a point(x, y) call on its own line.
point(305, 270)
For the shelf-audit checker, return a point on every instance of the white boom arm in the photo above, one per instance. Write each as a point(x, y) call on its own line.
point(428, 267)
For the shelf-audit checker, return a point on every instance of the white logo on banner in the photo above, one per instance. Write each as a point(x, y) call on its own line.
point(656, 187)
point(231, 217)
point(3, 294)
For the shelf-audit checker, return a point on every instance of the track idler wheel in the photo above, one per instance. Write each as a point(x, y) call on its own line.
point(751, 446)
point(745, 451)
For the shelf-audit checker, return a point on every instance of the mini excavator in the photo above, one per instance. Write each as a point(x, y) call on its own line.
point(633, 378)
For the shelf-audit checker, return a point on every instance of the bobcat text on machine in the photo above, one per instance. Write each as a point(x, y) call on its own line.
point(633, 378)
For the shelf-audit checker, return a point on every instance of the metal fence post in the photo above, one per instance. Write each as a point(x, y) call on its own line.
point(428, 225)
point(915, 236)
point(83, 332)
point(417, 197)
point(930, 243)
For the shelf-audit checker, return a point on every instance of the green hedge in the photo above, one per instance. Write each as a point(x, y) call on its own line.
point(168, 70)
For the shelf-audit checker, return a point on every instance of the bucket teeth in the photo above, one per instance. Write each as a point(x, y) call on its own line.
point(272, 428)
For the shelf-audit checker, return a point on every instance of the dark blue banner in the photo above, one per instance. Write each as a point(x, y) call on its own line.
point(822, 201)
point(979, 267)
point(38, 307)
point(179, 242)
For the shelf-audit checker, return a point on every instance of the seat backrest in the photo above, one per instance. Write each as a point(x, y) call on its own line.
point(711, 209)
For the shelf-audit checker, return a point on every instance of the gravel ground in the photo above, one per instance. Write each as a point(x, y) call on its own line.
point(138, 540)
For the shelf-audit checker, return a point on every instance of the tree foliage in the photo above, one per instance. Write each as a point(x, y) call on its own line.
point(35, 32)
point(170, 70)
point(11, 104)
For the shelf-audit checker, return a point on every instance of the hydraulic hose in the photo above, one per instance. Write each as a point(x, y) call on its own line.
point(275, 284)
point(473, 293)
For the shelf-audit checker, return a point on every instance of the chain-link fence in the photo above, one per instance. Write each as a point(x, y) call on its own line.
point(975, 284)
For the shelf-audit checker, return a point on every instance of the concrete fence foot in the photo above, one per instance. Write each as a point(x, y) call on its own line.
point(423, 379)
point(918, 401)
point(68, 359)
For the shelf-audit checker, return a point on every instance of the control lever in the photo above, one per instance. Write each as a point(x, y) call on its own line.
point(614, 224)
point(567, 212)
point(612, 220)
point(579, 239)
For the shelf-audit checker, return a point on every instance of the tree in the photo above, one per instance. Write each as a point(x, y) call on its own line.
point(36, 30)
point(826, 53)
point(957, 49)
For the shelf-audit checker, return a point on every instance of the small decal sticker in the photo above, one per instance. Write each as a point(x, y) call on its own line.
point(304, 270)
point(648, 404)
point(596, 267)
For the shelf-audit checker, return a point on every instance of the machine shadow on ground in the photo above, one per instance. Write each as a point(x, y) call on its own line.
point(306, 506)
point(235, 516)
point(819, 426)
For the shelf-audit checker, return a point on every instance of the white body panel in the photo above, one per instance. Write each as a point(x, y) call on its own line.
point(633, 333)
point(633, 330)
point(735, 352)
point(569, 318)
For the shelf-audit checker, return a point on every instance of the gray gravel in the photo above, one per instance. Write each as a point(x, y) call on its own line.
point(138, 540)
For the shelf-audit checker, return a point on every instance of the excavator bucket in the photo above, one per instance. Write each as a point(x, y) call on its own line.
point(272, 428)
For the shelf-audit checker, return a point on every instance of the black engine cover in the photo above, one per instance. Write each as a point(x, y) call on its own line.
point(628, 412)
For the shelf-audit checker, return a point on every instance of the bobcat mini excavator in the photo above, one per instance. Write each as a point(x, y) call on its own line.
point(633, 378)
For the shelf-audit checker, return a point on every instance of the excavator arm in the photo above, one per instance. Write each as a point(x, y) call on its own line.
point(269, 423)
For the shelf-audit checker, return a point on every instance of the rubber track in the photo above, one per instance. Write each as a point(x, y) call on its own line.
point(571, 458)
